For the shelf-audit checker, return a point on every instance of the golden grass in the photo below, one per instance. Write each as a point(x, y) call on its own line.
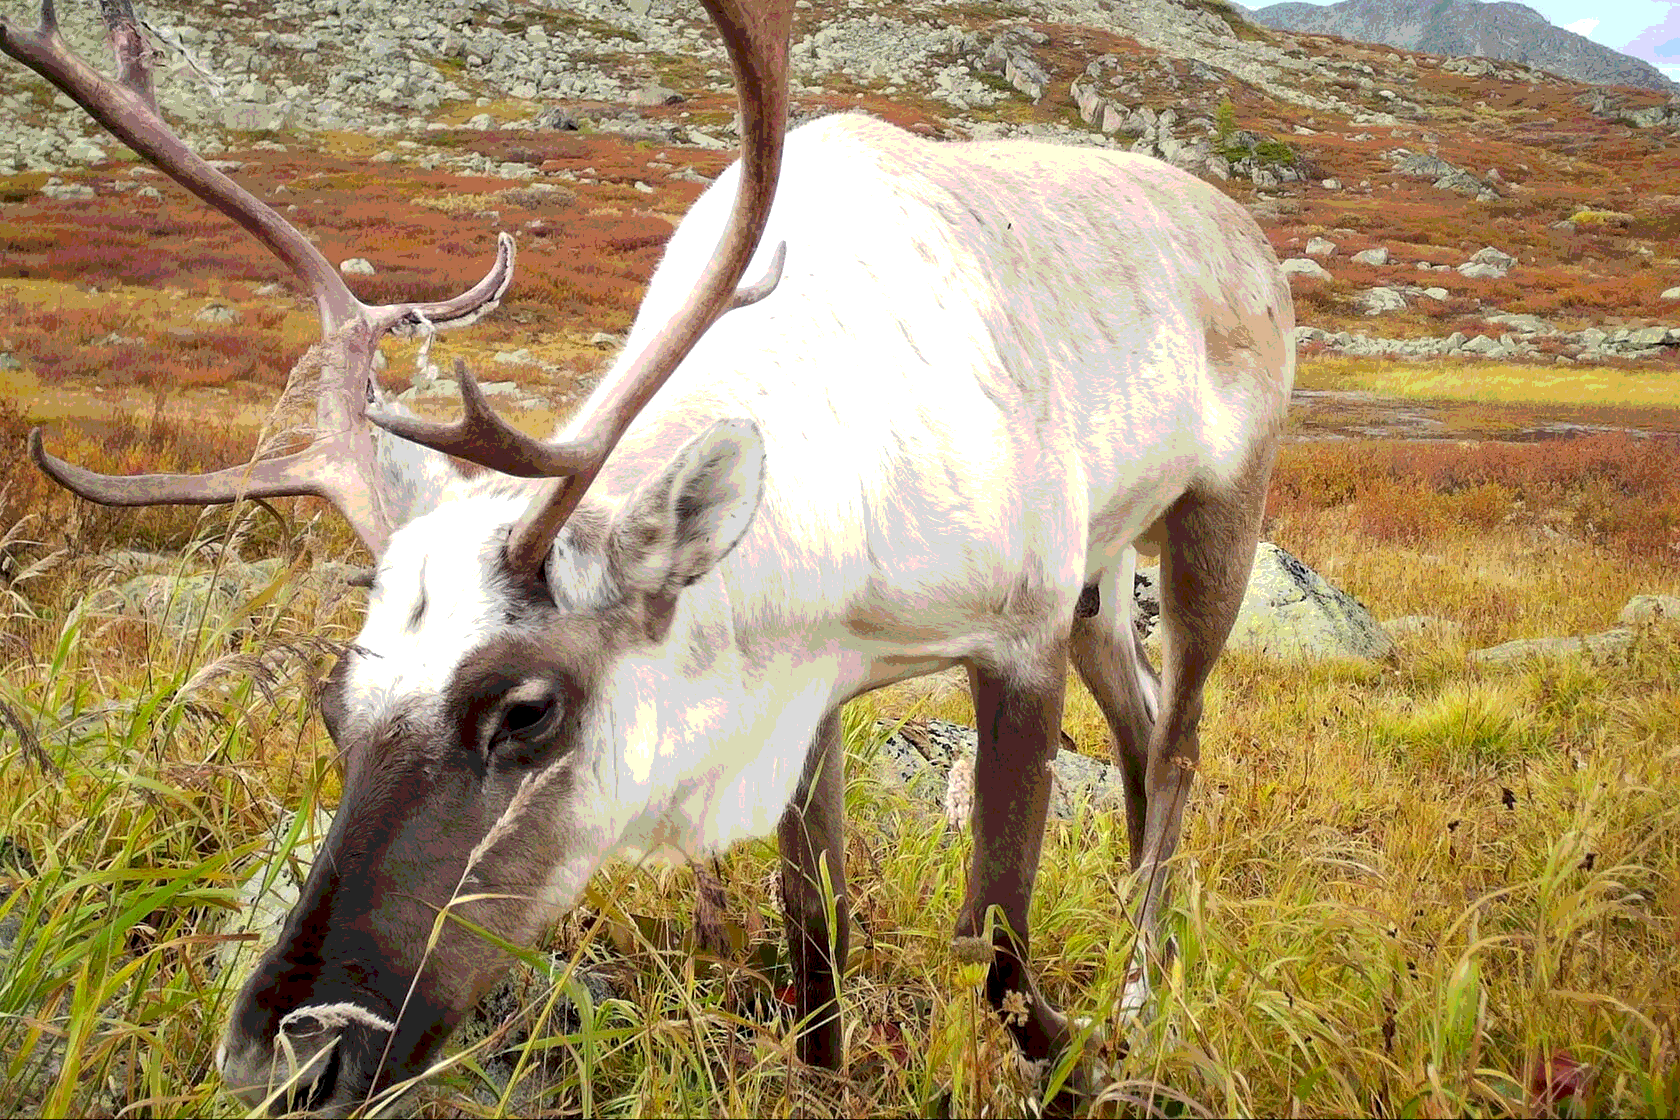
point(1656, 387)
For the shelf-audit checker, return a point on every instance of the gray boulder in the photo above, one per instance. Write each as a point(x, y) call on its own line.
point(180, 603)
point(1376, 301)
point(1487, 262)
point(653, 94)
point(1377, 256)
point(181, 598)
point(270, 890)
point(1320, 247)
point(1290, 611)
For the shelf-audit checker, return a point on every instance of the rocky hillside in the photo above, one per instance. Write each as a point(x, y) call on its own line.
point(1505, 31)
point(1428, 206)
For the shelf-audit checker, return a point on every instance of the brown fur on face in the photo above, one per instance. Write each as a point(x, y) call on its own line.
point(435, 810)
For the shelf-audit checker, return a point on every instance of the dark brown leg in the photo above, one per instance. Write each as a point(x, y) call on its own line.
point(1210, 539)
point(812, 833)
point(1019, 723)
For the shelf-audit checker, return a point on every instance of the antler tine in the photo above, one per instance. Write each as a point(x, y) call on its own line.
point(756, 36)
point(467, 308)
point(481, 435)
point(324, 469)
point(129, 112)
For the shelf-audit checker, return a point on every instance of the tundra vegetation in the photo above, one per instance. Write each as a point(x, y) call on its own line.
point(1424, 887)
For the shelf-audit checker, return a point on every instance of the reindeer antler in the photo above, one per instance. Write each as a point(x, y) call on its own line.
point(341, 465)
point(756, 35)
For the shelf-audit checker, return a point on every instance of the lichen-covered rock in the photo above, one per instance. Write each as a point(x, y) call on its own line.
point(1291, 611)
point(933, 761)
point(1608, 643)
point(271, 890)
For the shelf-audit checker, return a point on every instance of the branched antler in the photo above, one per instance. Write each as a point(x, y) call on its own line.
point(341, 465)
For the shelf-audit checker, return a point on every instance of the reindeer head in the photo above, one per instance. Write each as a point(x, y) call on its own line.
point(498, 718)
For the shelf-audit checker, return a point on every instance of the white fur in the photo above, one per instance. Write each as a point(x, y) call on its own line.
point(445, 557)
point(986, 371)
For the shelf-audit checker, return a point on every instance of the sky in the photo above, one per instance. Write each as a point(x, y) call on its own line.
point(1647, 29)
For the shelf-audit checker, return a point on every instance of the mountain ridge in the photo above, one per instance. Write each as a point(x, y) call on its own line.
point(1504, 30)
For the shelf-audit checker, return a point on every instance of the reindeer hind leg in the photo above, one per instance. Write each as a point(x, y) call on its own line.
point(1210, 535)
point(1110, 660)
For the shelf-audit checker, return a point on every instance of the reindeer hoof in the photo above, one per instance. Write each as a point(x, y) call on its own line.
point(1093, 1070)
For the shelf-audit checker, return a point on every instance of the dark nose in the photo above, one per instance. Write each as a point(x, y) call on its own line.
point(309, 1056)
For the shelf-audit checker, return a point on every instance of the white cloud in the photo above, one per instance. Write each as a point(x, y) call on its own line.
point(1581, 26)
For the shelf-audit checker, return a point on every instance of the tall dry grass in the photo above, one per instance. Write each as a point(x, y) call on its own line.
point(1419, 888)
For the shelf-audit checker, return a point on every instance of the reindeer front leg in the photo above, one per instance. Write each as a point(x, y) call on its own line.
point(1019, 716)
point(811, 832)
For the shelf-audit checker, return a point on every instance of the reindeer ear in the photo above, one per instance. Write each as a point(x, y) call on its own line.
point(682, 521)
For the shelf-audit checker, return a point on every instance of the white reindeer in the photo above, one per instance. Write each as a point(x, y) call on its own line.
point(988, 372)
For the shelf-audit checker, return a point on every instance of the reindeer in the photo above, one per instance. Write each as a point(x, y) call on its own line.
point(975, 380)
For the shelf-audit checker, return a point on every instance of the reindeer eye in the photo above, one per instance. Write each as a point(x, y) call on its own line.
point(528, 714)
point(523, 718)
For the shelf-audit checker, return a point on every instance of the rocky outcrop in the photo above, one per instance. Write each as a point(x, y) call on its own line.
point(1513, 32)
point(1441, 174)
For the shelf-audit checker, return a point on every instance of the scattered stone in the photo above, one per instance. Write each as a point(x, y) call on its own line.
point(356, 266)
point(1320, 247)
point(1377, 256)
point(248, 116)
point(1305, 266)
point(67, 191)
point(217, 313)
point(1488, 262)
point(1644, 609)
